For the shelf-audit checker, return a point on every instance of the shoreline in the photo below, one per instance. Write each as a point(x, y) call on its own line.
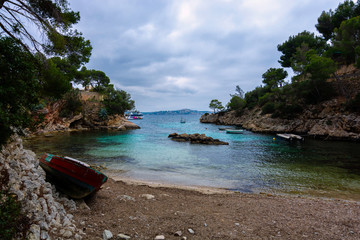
point(144, 210)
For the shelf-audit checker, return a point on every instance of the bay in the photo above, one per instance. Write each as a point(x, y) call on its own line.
point(251, 163)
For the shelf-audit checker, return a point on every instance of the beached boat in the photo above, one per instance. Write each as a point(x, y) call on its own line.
point(72, 177)
point(134, 115)
point(234, 131)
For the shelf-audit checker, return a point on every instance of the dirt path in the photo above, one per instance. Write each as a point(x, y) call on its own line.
point(123, 208)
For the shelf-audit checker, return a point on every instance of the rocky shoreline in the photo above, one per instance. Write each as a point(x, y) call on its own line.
point(323, 121)
point(49, 211)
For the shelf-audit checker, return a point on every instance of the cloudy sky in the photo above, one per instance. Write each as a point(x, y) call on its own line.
point(175, 54)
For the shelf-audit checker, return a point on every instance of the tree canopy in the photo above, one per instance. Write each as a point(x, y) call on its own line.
point(216, 105)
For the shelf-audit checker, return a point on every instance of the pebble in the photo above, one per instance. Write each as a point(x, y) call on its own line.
point(147, 196)
point(159, 237)
point(122, 237)
point(191, 231)
point(107, 235)
point(178, 233)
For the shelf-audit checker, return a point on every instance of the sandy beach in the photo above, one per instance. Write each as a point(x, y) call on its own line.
point(143, 210)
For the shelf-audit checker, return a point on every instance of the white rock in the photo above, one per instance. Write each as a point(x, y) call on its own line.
point(148, 196)
point(159, 237)
point(122, 237)
point(107, 235)
point(178, 233)
point(191, 231)
point(67, 234)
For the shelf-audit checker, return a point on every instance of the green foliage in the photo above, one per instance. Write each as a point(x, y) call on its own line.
point(289, 111)
point(329, 21)
point(103, 114)
point(55, 83)
point(97, 79)
point(117, 101)
point(269, 107)
point(274, 77)
point(216, 105)
point(253, 96)
point(18, 87)
point(73, 105)
point(289, 47)
point(346, 40)
point(236, 103)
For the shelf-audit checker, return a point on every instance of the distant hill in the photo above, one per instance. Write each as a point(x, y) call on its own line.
point(177, 112)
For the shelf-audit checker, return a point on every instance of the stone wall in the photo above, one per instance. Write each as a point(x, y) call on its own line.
point(40, 201)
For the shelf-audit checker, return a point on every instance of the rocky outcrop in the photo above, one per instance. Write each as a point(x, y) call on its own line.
point(42, 204)
point(196, 138)
point(50, 120)
point(327, 120)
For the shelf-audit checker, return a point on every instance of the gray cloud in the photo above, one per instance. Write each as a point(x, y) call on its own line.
point(181, 54)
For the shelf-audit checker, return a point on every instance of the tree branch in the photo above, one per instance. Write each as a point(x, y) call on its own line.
point(15, 38)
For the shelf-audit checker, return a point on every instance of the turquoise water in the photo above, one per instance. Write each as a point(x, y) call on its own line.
point(250, 163)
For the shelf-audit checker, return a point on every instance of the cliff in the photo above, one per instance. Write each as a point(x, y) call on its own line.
point(50, 120)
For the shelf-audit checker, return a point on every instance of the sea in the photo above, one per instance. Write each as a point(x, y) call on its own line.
point(251, 163)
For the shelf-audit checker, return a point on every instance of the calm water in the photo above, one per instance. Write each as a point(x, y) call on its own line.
point(250, 163)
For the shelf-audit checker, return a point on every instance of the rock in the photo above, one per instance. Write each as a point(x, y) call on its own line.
point(125, 198)
point(107, 235)
point(184, 238)
point(122, 237)
point(147, 196)
point(178, 233)
point(67, 234)
point(159, 237)
point(191, 231)
point(196, 138)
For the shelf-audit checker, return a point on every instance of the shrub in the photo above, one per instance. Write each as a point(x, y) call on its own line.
point(103, 114)
point(268, 108)
point(72, 104)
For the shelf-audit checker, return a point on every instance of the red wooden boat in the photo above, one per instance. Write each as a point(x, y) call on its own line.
point(72, 177)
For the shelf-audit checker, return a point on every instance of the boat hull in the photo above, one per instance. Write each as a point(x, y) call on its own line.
point(72, 177)
point(234, 131)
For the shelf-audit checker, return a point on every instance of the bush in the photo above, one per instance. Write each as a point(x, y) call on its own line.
point(283, 110)
point(103, 114)
point(268, 108)
point(73, 105)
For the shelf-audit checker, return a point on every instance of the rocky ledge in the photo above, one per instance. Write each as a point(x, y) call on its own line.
point(326, 121)
point(196, 138)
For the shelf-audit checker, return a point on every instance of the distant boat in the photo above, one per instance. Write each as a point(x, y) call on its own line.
point(182, 120)
point(289, 137)
point(234, 131)
point(224, 128)
point(72, 177)
point(134, 115)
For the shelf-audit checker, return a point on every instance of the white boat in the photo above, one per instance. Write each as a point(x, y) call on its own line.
point(225, 128)
point(182, 120)
point(234, 131)
point(134, 115)
point(289, 137)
